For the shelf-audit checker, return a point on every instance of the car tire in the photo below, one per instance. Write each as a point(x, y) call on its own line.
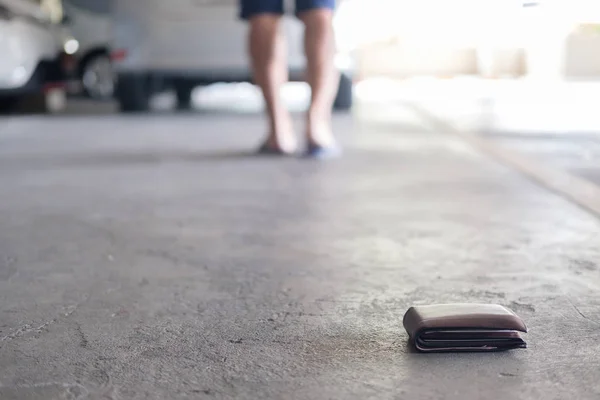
point(343, 99)
point(51, 102)
point(97, 77)
point(33, 104)
point(8, 104)
point(133, 93)
point(183, 92)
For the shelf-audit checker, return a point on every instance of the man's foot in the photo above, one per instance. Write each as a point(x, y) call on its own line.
point(320, 141)
point(280, 144)
point(322, 152)
point(269, 149)
point(284, 141)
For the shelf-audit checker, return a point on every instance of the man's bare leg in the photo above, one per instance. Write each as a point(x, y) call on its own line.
point(268, 54)
point(323, 78)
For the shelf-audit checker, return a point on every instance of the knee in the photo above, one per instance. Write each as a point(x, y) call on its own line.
point(317, 18)
point(264, 23)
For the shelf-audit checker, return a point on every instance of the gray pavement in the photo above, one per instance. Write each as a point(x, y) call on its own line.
point(576, 153)
point(150, 257)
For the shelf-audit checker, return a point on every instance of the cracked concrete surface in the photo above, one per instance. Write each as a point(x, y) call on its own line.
point(151, 258)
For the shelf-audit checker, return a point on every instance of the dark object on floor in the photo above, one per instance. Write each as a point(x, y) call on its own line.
point(464, 327)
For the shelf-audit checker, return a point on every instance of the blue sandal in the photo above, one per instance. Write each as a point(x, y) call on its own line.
point(322, 152)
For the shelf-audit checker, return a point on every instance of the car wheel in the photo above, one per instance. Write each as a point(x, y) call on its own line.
point(97, 77)
point(133, 93)
point(343, 99)
point(184, 96)
point(8, 104)
point(50, 102)
point(33, 104)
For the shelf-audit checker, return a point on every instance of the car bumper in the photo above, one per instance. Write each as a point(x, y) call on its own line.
point(48, 75)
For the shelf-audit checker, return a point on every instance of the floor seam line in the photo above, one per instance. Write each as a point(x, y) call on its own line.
point(576, 190)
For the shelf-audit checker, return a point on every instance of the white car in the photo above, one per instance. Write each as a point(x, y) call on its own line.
point(185, 43)
point(36, 55)
point(89, 22)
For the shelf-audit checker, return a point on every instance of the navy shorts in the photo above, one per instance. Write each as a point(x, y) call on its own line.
point(249, 8)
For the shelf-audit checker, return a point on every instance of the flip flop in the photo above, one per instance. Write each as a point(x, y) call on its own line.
point(322, 152)
point(266, 150)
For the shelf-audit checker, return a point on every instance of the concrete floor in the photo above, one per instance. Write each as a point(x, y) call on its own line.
point(553, 122)
point(150, 257)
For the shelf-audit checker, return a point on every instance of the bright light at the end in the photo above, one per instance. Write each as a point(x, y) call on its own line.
point(71, 46)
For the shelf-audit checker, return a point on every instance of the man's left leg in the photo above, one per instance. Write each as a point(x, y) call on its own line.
point(322, 76)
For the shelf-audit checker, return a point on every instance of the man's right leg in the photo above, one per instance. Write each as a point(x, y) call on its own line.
point(269, 65)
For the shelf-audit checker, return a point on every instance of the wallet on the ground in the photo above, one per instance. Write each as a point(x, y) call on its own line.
point(464, 327)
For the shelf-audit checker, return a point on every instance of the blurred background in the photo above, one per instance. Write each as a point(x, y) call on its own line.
point(524, 73)
point(129, 52)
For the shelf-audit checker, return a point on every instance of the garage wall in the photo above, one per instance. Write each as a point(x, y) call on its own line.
point(397, 60)
point(575, 57)
point(582, 56)
point(401, 60)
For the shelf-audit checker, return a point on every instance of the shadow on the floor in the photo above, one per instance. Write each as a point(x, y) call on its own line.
point(119, 159)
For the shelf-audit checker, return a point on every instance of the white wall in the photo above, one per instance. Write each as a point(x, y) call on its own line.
point(582, 56)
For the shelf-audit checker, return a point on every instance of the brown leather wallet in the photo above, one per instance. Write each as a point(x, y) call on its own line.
point(464, 327)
